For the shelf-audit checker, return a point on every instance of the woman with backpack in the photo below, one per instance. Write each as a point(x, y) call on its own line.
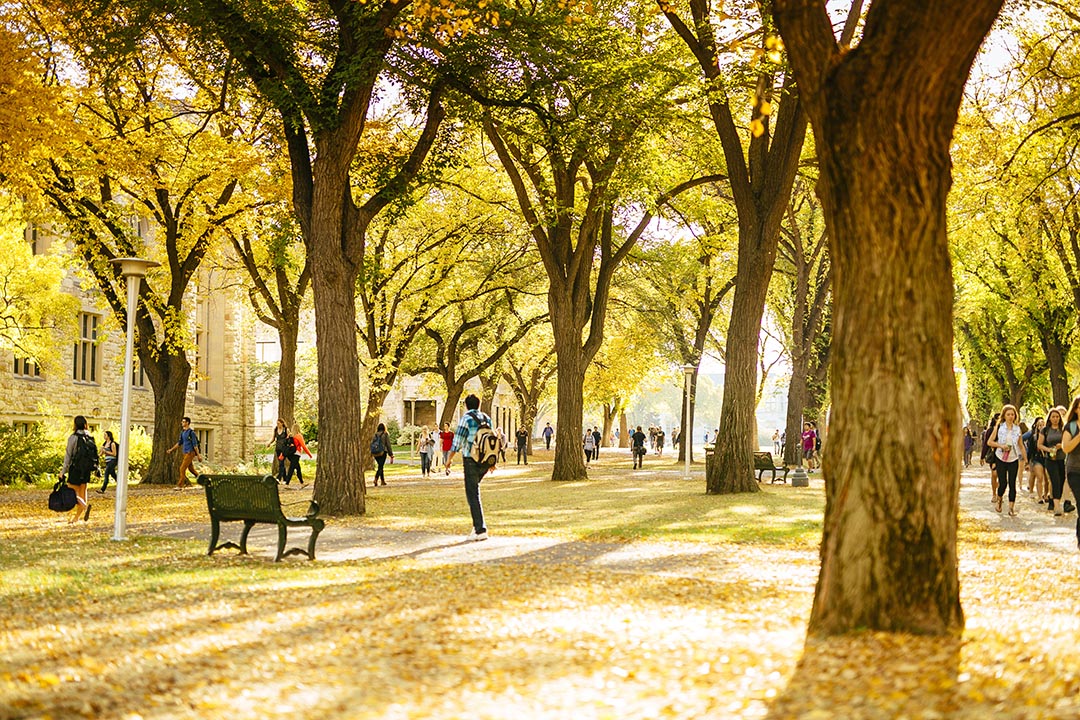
point(1054, 460)
point(1036, 459)
point(589, 444)
point(281, 442)
point(380, 450)
point(1070, 443)
point(988, 455)
point(109, 449)
point(425, 445)
point(292, 454)
point(1009, 451)
point(80, 459)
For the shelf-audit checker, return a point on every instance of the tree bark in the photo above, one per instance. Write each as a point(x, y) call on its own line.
point(686, 428)
point(796, 405)
point(570, 400)
point(170, 396)
point(888, 555)
point(624, 430)
point(1056, 352)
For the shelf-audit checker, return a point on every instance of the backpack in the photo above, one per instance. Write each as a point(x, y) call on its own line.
point(85, 459)
point(377, 445)
point(485, 449)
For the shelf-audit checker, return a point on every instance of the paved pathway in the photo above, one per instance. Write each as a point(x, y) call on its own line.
point(1033, 523)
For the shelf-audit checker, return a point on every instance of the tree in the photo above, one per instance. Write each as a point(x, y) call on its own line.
point(318, 64)
point(888, 557)
point(529, 367)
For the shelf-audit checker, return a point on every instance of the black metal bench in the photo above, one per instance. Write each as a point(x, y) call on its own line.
point(763, 463)
point(254, 499)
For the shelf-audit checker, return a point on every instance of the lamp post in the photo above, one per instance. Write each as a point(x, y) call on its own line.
point(133, 270)
point(686, 436)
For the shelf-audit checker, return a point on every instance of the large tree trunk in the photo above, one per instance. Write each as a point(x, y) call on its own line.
point(796, 405)
point(570, 402)
point(732, 470)
point(339, 486)
point(453, 397)
point(287, 336)
point(624, 430)
point(686, 429)
point(1056, 353)
point(169, 380)
point(888, 554)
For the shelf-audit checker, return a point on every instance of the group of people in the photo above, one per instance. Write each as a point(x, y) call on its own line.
point(1050, 450)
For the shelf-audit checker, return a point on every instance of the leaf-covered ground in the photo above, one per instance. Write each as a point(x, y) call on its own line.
point(550, 619)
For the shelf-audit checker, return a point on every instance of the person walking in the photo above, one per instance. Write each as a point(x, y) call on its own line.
point(776, 442)
point(80, 460)
point(547, 433)
point(283, 448)
point(1036, 460)
point(298, 446)
point(1070, 443)
point(1050, 442)
point(969, 445)
point(189, 445)
point(659, 441)
point(426, 447)
point(808, 438)
point(521, 439)
point(1009, 451)
point(637, 447)
point(474, 473)
point(988, 454)
point(446, 437)
point(380, 450)
point(588, 443)
point(109, 449)
point(502, 445)
point(596, 442)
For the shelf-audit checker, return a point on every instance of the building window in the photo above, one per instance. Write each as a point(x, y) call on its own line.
point(31, 235)
point(200, 359)
point(138, 375)
point(85, 367)
point(25, 427)
point(205, 447)
point(26, 368)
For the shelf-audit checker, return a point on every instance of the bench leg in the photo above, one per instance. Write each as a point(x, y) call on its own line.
point(215, 531)
point(316, 528)
point(282, 537)
point(248, 524)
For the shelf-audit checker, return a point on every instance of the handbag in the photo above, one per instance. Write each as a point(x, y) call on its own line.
point(62, 498)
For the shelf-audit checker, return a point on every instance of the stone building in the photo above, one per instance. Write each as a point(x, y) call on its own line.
point(89, 379)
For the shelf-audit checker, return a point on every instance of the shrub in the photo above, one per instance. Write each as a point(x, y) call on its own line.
point(28, 457)
point(394, 431)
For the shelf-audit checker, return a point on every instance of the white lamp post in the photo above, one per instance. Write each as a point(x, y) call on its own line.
point(686, 437)
point(133, 270)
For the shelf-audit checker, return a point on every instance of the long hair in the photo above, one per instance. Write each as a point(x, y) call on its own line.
point(1074, 410)
point(1054, 411)
point(1005, 409)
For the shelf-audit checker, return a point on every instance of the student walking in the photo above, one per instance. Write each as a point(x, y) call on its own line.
point(109, 449)
point(637, 447)
point(426, 447)
point(80, 460)
point(969, 445)
point(298, 446)
point(1050, 441)
point(596, 442)
point(283, 448)
point(659, 441)
point(547, 433)
point(1009, 451)
point(447, 439)
point(521, 438)
point(1036, 460)
point(989, 455)
point(189, 445)
point(464, 438)
point(588, 443)
point(808, 442)
point(380, 450)
point(1070, 443)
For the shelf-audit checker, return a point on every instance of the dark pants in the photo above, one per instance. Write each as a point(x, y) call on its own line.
point(522, 456)
point(474, 473)
point(1074, 483)
point(639, 453)
point(425, 463)
point(380, 460)
point(1006, 473)
point(294, 467)
point(110, 470)
point(547, 442)
point(1055, 469)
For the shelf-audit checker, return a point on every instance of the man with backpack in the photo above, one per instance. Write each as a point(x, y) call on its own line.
point(189, 445)
point(479, 448)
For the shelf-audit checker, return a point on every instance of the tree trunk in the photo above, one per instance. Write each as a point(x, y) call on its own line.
point(732, 470)
point(487, 394)
point(624, 430)
point(888, 554)
point(339, 486)
point(453, 397)
point(371, 420)
point(169, 381)
point(796, 406)
point(287, 336)
point(609, 420)
point(686, 429)
point(570, 402)
point(1056, 353)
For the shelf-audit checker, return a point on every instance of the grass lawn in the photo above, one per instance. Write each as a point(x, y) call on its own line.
point(153, 628)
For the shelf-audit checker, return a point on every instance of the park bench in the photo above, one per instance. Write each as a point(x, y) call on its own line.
point(254, 499)
point(763, 463)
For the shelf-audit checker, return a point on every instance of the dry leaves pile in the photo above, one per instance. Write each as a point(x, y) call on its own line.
point(153, 628)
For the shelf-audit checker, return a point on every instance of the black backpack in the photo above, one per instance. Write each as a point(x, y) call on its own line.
point(85, 459)
point(377, 448)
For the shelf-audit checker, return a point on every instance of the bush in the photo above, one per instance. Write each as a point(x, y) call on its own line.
point(29, 457)
point(394, 431)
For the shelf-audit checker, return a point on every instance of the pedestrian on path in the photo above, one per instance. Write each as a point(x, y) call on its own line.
point(1070, 443)
point(547, 433)
point(969, 445)
point(283, 448)
point(380, 450)
point(1050, 446)
point(637, 447)
point(426, 447)
point(1010, 452)
point(1036, 459)
point(588, 443)
point(109, 449)
point(299, 446)
point(989, 456)
point(446, 437)
point(189, 445)
point(80, 460)
point(521, 437)
point(464, 437)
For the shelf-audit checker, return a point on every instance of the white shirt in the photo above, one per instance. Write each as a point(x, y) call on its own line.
point(1010, 438)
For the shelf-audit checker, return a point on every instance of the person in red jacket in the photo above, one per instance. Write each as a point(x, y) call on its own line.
point(299, 446)
point(446, 437)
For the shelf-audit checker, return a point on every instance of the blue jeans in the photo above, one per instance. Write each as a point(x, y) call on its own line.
point(474, 473)
point(425, 463)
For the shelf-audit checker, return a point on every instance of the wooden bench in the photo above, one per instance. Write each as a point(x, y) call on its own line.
point(763, 463)
point(254, 499)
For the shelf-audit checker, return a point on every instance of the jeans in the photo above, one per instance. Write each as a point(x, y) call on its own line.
point(547, 442)
point(1056, 470)
point(380, 460)
point(110, 469)
point(473, 475)
point(294, 467)
point(425, 463)
point(1006, 472)
point(522, 457)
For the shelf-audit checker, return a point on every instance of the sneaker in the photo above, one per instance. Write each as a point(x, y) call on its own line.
point(86, 516)
point(476, 537)
point(1068, 506)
